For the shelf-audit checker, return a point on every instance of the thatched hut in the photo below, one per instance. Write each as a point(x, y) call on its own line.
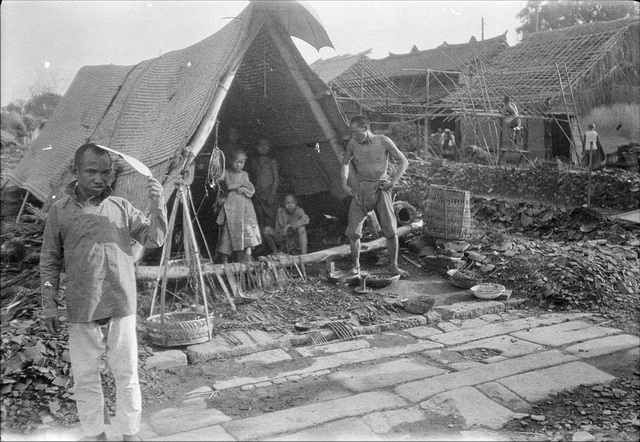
point(557, 78)
point(360, 88)
point(249, 75)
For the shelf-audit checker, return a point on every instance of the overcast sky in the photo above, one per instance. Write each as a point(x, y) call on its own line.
point(42, 40)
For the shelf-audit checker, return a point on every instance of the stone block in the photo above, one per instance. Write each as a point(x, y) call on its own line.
point(508, 346)
point(501, 395)
point(422, 332)
point(464, 310)
point(265, 357)
point(417, 391)
point(537, 385)
point(331, 348)
point(565, 333)
point(167, 421)
point(166, 359)
point(432, 317)
point(195, 402)
point(350, 429)
point(500, 328)
point(306, 416)
point(373, 377)
point(471, 406)
point(382, 422)
point(603, 346)
point(216, 433)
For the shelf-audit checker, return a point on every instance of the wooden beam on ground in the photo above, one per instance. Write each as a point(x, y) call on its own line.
point(180, 271)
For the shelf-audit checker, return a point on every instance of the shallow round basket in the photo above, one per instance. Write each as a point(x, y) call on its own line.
point(488, 291)
point(381, 280)
point(463, 279)
point(179, 328)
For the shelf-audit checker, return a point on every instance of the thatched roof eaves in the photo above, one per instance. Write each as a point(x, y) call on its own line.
point(446, 57)
point(605, 54)
point(355, 77)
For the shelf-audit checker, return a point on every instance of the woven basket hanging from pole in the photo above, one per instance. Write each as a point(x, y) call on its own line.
point(447, 213)
point(170, 329)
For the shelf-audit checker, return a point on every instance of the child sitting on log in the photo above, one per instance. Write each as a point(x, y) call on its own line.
point(290, 233)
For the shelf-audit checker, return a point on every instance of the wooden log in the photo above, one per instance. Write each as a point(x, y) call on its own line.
point(181, 271)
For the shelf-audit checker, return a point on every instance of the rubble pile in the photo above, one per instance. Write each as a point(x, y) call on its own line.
point(612, 188)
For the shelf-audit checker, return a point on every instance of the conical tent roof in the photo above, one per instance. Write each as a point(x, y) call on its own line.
point(152, 110)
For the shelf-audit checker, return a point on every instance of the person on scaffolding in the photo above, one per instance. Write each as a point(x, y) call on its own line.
point(449, 146)
point(512, 120)
point(370, 156)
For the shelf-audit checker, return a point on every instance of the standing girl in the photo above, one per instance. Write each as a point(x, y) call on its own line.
point(239, 227)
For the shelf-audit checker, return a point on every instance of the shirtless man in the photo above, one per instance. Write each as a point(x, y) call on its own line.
point(370, 155)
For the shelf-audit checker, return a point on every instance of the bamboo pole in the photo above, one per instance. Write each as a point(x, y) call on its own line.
point(178, 271)
point(24, 203)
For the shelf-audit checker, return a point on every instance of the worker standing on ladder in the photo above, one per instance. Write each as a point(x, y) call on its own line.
point(511, 119)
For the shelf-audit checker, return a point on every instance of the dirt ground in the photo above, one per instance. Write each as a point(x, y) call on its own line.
point(555, 258)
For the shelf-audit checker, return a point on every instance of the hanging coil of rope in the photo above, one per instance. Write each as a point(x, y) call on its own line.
point(216, 170)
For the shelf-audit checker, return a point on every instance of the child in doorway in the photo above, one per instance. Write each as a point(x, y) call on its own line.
point(290, 232)
point(239, 231)
point(264, 170)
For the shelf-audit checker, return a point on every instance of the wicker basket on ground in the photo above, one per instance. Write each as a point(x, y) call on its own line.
point(447, 212)
point(179, 328)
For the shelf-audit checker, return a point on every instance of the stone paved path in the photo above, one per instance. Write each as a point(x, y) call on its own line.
point(459, 379)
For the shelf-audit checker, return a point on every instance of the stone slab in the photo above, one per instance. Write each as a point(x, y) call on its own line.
point(468, 404)
point(465, 310)
point(350, 429)
point(216, 433)
point(266, 357)
point(384, 375)
point(501, 328)
point(167, 359)
point(565, 333)
point(604, 346)
point(460, 324)
point(382, 422)
point(233, 344)
point(501, 395)
point(169, 420)
point(422, 332)
point(508, 346)
point(331, 348)
point(538, 385)
point(417, 391)
point(299, 418)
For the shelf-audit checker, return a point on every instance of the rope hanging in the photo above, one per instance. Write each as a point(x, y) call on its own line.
point(216, 170)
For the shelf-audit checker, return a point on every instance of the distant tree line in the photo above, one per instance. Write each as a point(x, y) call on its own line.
point(556, 14)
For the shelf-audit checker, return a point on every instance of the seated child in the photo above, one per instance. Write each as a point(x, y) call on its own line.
point(239, 227)
point(290, 232)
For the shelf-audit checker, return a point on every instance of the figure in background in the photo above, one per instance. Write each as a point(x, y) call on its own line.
point(435, 142)
point(239, 231)
point(449, 146)
point(511, 118)
point(290, 233)
point(591, 148)
point(89, 232)
point(264, 172)
point(370, 156)
point(233, 143)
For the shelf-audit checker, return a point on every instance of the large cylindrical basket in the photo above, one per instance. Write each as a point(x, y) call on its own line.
point(447, 212)
point(179, 328)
